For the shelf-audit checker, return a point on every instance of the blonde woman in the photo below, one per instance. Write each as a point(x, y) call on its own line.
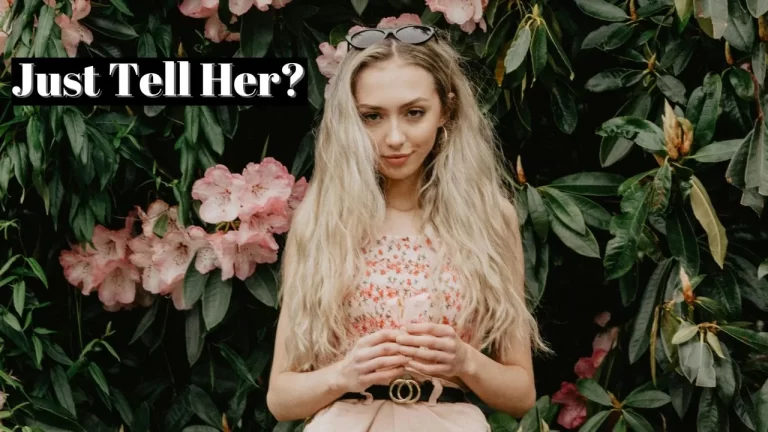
point(404, 265)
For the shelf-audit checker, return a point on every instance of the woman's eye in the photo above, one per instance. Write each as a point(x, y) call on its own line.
point(415, 113)
point(371, 116)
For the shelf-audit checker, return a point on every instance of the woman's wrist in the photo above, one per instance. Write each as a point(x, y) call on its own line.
point(336, 382)
point(468, 367)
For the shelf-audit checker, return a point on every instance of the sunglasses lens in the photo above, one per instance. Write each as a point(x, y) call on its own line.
point(366, 38)
point(414, 34)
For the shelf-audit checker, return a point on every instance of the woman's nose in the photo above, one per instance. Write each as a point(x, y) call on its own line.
point(395, 135)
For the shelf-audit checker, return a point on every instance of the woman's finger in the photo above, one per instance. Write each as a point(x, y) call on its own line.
point(439, 330)
point(428, 369)
point(381, 350)
point(382, 377)
point(431, 342)
point(428, 355)
point(382, 363)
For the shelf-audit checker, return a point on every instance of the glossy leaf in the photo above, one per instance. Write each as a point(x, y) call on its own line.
point(564, 108)
point(717, 151)
point(761, 408)
point(563, 208)
point(740, 31)
point(639, 340)
point(593, 391)
point(672, 88)
point(602, 10)
point(263, 285)
point(682, 240)
point(707, 217)
point(712, 416)
point(615, 148)
point(608, 37)
point(256, 32)
point(697, 363)
point(621, 251)
point(641, 131)
point(593, 423)
point(704, 112)
point(636, 422)
point(216, 299)
point(518, 50)
point(537, 212)
point(589, 183)
point(613, 79)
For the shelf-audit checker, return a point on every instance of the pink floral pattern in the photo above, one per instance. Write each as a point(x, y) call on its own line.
point(395, 290)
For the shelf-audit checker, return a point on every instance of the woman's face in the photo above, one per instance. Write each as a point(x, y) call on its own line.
point(401, 109)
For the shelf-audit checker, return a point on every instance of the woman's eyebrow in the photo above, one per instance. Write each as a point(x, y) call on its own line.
point(411, 102)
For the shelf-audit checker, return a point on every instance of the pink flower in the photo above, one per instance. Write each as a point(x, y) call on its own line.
point(603, 343)
point(239, 254)
point(402, 20)
point(466, 13)
point(5, 30)
point(217, 31)
point(602, 318)
point(72, 32)
point(199, 8)
point(297, 195)
point(264, 185)
point(119, 287)
point(154, 212)
point(239, 7)
point(574, 410)
point(331, 58)
point(215, 190)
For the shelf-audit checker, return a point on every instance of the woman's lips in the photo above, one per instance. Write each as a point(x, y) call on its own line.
point(397, 161)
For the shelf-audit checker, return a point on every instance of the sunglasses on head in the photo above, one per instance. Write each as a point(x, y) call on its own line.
point(411, 34)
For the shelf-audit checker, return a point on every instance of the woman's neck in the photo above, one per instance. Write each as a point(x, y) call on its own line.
point(402, 195)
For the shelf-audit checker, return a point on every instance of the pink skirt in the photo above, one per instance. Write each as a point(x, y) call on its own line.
point(352, 415)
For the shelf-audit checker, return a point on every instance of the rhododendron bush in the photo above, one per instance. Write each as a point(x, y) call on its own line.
point(140, 246)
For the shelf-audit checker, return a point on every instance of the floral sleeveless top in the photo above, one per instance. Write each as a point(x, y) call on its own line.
point(395, 288)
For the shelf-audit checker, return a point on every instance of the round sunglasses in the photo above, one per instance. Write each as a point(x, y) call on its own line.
point(411, 34)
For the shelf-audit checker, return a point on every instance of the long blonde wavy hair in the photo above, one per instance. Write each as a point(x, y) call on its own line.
point(462, 194)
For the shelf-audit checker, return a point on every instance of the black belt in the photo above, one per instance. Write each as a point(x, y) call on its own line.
point(406, 391)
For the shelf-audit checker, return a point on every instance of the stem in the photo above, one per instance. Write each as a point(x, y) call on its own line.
point(79, 321)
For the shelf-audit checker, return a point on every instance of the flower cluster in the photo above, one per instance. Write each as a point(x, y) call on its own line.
point(72, 32)
point(215, 30)
point(574, 411)
point(248, 209)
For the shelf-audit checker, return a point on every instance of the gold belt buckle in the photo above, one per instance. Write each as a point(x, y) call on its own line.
point(397, 396)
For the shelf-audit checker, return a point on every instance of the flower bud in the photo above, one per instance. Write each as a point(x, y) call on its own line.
point(687, 135)
point(762, 27)
point(687, 288)
point(672, 131)
point(520, 172)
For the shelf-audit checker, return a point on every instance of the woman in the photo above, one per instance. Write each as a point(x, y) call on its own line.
point(407, 183)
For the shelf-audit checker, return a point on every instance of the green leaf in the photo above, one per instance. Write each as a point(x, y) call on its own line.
point(502, 422)
point(563, 208)
point(636, 422)
point(538, 49)
point(639, 340)
point(615, 148)
point(742, 83)
point(121, 6)
point(43, 32)
point(537, 211)
point(256, 32)
point(608, 37)
point(735, 174)
point(761, 408)
point(263, 285)
point(685, 332)
point(35, 144)
point(594, 422)
point(758, 341)
point(682, 240)
point(216, 299)
point(613, 79)
point(228, 117)
point(740, 31)
point(757, 7)
point(684, 8)
point(672, 88)
point(589, 183)
point(238, 364)
point(641, 131)
point(594, 215)
point(194, 334)
point(592, 391)
point(621, 251)
point(146, 47)
point(359, 6)
point(703, 114)
point(712, 416)
point(582, 243)
point(602, 10)
point(661, 190)
point(75, 127)
point(19, 294)
point(212, 130)
point(717, 152)
point(723, 287)
point(697, 363)
point(647, 399)
point(204, 407)
point(62, 389)
point(146, 321)
point(762, 271)
point(98, 377)
point(725, 370)
point(705, 213)
point(756, 169)
point(199, 429)
point(564, 108)
point(110, 26)
point(160, 227)
point(517, 50)
point(759, 62)
point(194, 284)
point(191, 123)
point(11, 320)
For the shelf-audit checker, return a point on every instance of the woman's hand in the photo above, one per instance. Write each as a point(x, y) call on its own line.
point(445, 354)
point(375, 359)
